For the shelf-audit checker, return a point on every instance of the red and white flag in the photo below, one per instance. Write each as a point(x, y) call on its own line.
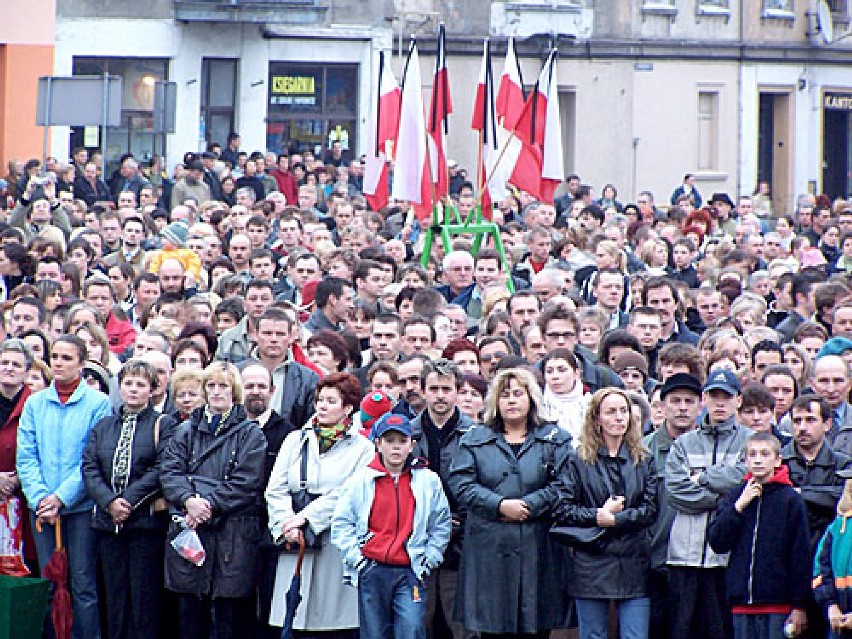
point(484, 122)
point(510, 95)
point(535, 152)
point(385, 126)
point(410, 176)
point(440, 107)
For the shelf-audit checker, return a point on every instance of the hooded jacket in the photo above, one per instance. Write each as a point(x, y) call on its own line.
point(430, 524)
point(770, 559)
point(832, 583)
point(713, 453)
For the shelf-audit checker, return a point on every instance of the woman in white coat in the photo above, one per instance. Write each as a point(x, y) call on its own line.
point(335, 450)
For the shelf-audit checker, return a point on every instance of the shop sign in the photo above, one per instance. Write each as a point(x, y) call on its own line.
point(293, 90)
point(837, 101)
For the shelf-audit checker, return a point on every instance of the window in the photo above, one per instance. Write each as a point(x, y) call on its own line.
point(778, 9)
point(659, 7)
point(711, 4)
point(708, 130)
point(311, 106)
point(218, 93)
point(840, 8)
point(713, 8)
point(136, 134)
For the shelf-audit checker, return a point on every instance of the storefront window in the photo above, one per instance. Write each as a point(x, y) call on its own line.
point(136, 134)
point(311, 106)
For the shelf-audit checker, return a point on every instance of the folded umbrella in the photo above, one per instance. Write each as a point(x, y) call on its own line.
point(56, 570)
point(294, 595)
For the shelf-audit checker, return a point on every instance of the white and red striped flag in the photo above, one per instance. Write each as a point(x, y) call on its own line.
point(440, 108)
point(411, 177)
point(510, 95)
point(385, 126)
point(535, 152)
point(484, 122)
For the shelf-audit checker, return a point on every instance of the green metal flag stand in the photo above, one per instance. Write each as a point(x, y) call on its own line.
point(472, 225)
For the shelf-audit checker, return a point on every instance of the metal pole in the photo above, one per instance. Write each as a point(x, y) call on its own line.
point(48, 97)
point(104, 123)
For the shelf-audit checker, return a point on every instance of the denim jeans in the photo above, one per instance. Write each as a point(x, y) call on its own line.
point(391, 602)
point(81, 544)
point(633, 617)
point(759, 626)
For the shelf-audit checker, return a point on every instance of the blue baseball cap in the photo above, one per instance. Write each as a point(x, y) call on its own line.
point(723, 380)
point(391, 421)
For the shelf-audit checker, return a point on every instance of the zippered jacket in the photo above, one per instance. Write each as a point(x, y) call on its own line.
point(430, 526)
point(702, 467)
point(769, 545)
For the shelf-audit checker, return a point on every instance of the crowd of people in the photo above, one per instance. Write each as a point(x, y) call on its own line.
point(638, 406)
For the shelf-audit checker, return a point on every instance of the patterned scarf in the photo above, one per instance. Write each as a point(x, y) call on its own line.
point(123, 452)
point(330, 435)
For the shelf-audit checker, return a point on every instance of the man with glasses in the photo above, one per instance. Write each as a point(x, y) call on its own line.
point(560, 328)
point(491, 350)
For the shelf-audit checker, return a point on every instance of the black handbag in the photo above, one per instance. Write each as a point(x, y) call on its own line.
point(300, 500)
point(577, 535)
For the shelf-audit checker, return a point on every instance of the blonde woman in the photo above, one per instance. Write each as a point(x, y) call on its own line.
point(502, 475)
point(611, 485)
point(212, 475)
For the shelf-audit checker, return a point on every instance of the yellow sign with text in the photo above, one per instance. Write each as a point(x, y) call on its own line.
point(293, 85)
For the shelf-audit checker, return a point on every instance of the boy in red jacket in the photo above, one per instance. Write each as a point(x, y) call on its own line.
point(392, 525)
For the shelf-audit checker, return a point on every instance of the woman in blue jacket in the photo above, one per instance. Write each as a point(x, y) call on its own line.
point(52, 434)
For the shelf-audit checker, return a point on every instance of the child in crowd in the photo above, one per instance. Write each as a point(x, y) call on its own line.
point(833, 566)
point(174, 247)
point(392, 525)
point(763, 525)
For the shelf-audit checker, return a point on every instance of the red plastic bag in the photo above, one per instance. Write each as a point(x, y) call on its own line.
point(12, 538)
point(188, 545)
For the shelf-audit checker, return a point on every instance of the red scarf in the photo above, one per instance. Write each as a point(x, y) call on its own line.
point(66, 390)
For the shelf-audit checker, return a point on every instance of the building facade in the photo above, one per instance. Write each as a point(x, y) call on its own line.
point(733, 91)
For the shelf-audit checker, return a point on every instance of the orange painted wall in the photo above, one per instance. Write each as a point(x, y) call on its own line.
point(21, 65)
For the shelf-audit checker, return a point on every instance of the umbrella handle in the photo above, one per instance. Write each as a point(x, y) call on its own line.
point(57, 531)
point(301, 543)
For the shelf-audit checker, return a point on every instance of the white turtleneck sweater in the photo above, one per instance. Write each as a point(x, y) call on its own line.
point(568, 410)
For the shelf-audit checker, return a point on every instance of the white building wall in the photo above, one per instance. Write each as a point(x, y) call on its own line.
point(185, 45)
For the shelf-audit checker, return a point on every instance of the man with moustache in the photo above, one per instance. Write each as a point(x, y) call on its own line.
point(818, 474)
point(437, 431)
point(410, 371)
point(257, 394)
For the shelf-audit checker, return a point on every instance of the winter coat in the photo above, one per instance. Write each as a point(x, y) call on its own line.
point(448, 453)
point(659, 444)
point(226, 469)
point(832, 583)
point(714, 452)
point(143, 481)
point(770, 558)
point(293, 397)
point(617, 565)
point(511, 575)
point(430, 532)
point(818, 484)
point(51, 439)
point(327, 603)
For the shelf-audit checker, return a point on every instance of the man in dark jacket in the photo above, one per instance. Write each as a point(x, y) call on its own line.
point(293, 384)
point(335, 301)
point(559, 329)
point(681, 396)
point(258, 389)
point(660, 293)
point(89, 187)
point(437, 431)
point(813, 471)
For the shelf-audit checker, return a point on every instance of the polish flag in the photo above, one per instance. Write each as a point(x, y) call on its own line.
point(385, 126)
point(440, 108)
point(484, 122)
point(538, 166)
point(510, 95)
point(411, 177)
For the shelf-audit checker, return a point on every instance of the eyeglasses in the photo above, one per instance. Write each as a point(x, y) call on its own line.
point(565, 335)
point(492, 356)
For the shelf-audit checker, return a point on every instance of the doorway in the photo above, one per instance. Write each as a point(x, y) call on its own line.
point(774, 146)
point(836, 153)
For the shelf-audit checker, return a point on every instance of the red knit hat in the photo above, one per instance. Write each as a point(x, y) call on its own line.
point(374, 405)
